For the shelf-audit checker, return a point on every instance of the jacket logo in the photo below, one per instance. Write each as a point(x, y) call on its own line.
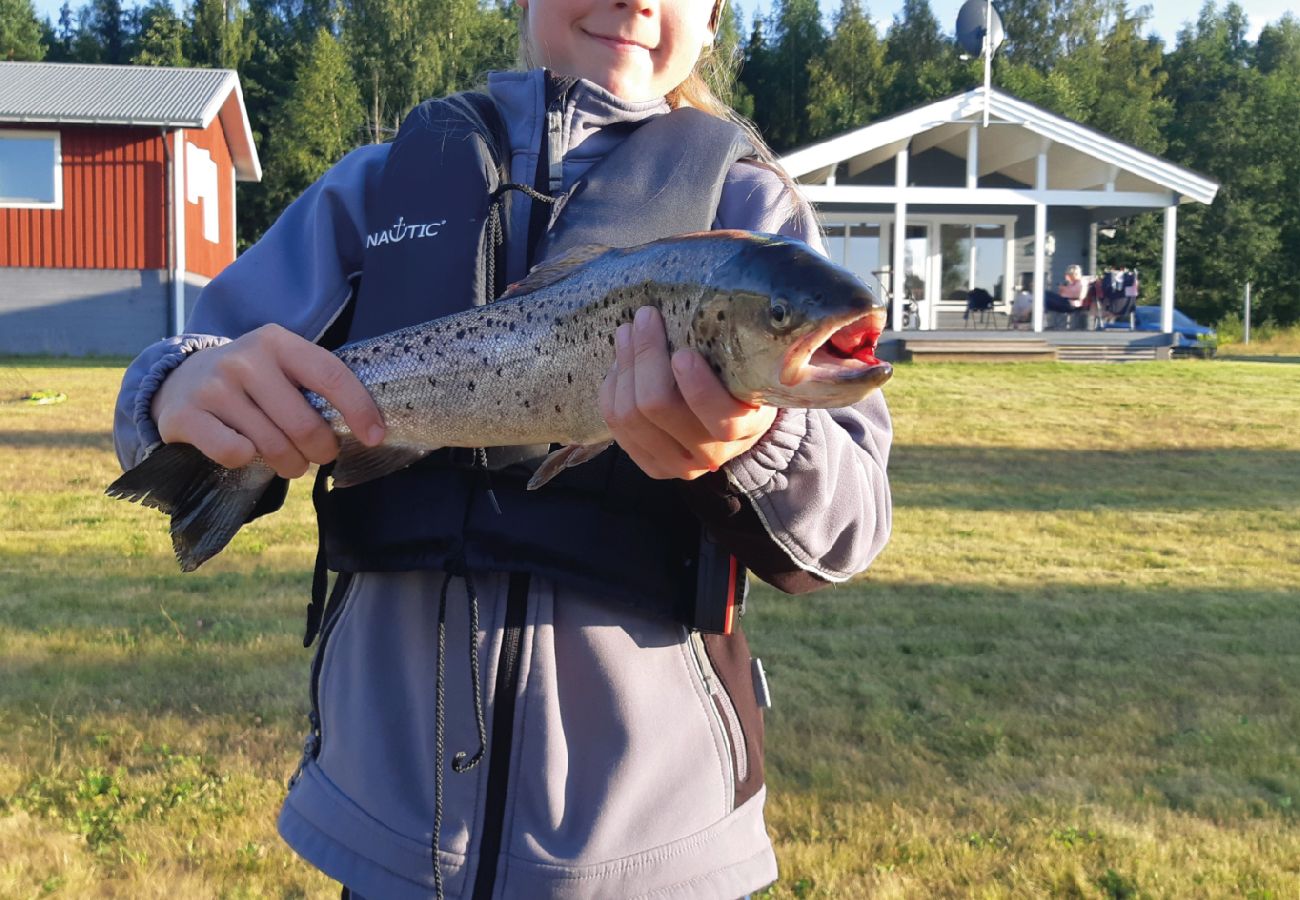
point(401, 231)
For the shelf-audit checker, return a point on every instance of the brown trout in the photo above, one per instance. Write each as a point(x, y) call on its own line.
point(777, 322)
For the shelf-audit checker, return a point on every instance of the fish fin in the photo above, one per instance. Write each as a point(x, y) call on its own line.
point(553, 270)
point(566, 457)
point(357, 463)
point(207, 502)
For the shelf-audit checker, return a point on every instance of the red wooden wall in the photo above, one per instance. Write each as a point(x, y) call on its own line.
point(114, 205)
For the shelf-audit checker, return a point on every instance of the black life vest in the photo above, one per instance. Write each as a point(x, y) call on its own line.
point(603, 527)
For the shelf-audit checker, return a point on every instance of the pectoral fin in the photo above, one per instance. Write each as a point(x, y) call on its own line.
point(357, 463)
point(566, 457)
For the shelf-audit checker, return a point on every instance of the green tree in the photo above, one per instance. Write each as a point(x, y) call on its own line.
point(321, 120)
point(161, 36)
point(924, 61)
point(1226, 125)
point(728, 57)
point(221, 35)
point(848, 83)
point(20, 31)
point(798, 37)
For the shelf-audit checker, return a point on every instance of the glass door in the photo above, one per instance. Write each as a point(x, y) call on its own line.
point(917, 280)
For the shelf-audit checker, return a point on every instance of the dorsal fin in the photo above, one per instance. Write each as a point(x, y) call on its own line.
point(553, 270)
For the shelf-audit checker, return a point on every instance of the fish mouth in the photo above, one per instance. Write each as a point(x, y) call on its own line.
point(842, 349)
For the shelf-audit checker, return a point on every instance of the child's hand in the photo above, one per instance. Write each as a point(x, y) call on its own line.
point(673, 417)
point(244, 399)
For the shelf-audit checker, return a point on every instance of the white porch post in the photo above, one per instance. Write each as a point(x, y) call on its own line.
point(1040, 235)
point(900, 237)
point(1009, 268)
point(972, 158)
point(1167, 270)
point(1040, 261)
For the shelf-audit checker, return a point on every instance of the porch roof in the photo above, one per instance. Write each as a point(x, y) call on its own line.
point(1083, 167)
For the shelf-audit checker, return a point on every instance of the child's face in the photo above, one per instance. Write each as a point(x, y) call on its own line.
point(636, 49)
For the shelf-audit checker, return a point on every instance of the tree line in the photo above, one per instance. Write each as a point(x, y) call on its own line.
point(323, 76)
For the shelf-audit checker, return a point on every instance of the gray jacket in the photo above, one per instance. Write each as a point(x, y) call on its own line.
point(635, 767)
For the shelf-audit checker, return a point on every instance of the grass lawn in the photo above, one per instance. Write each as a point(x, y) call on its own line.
point(1074, 672)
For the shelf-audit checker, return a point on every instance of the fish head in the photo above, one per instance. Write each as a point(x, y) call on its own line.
point(784, 326)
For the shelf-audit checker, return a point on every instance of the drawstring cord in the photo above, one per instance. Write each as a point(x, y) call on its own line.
point(496, 233)
point(462, 762)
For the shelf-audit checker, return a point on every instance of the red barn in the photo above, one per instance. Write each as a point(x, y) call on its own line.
point(117, 200)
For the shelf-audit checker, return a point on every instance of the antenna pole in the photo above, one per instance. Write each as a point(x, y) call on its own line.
point(988, 56)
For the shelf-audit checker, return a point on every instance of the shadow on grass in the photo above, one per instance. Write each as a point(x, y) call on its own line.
point(47, 439)
point(983, 478)
point(1261, 358)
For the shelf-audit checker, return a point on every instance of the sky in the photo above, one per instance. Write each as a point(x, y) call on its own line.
point(1166, 19)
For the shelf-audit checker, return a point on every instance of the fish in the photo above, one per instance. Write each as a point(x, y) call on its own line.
point(777, 322)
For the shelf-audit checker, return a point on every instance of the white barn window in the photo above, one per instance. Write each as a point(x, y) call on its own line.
point(30, 169)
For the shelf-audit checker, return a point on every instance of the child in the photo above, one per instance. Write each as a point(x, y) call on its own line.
point(597, 749)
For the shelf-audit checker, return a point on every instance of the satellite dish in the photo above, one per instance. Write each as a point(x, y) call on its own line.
point(973, 20)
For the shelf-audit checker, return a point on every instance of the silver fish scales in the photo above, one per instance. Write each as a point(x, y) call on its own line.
point(777, 322)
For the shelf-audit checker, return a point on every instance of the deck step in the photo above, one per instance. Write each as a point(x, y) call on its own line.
point(977, 351)
point(1102, 353)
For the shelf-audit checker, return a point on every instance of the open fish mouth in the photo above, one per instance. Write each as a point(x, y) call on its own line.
point(840, 350)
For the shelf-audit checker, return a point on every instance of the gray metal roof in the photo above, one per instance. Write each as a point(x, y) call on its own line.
point(116, 95)
point(77, 94)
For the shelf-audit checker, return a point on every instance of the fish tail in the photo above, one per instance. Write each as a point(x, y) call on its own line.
point(207, 502)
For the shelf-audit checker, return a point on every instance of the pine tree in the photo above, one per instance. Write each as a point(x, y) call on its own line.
point(20, 31)
point(798, 36)
point(925, 62)
point(221, 35)
point(849, 81)
point(161, 36)
point(322, 120)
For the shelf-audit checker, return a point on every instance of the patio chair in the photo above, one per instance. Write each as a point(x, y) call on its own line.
point(980, 308)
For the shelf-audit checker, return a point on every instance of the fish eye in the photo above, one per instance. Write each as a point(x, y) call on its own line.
point(780, 311)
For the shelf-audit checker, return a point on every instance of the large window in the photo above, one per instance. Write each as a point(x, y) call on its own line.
point(974, 256)
point(856, 246)
point(30, 169)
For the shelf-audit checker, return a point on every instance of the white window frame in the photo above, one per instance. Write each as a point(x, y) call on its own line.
point(24, 134)
point(921, 217)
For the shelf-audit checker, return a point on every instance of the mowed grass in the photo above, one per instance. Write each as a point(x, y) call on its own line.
point(1074, 672)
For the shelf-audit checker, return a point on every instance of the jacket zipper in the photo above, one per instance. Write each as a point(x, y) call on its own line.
point(502, 740)
point(333, 612)
point(724, 714)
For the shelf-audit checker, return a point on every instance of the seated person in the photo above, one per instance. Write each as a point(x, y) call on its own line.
point(1022, 307)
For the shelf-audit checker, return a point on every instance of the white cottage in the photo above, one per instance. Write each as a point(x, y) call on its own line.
point(935, 202)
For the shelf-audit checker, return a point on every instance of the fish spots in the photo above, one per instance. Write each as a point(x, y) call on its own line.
point(433, 382)
point(570, 377)
point(470, 385)
point(499, 370)
point(527, 405)
point(557, 408)
point(722, 316)
point(460, 335)
point(428, 339)
point(410, 405)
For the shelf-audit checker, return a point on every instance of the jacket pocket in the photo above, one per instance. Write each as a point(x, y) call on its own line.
point(724, 713)
point(741, 705)
point(334, 608)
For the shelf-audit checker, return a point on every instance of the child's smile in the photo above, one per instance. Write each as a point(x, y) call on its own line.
point(636, 49)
